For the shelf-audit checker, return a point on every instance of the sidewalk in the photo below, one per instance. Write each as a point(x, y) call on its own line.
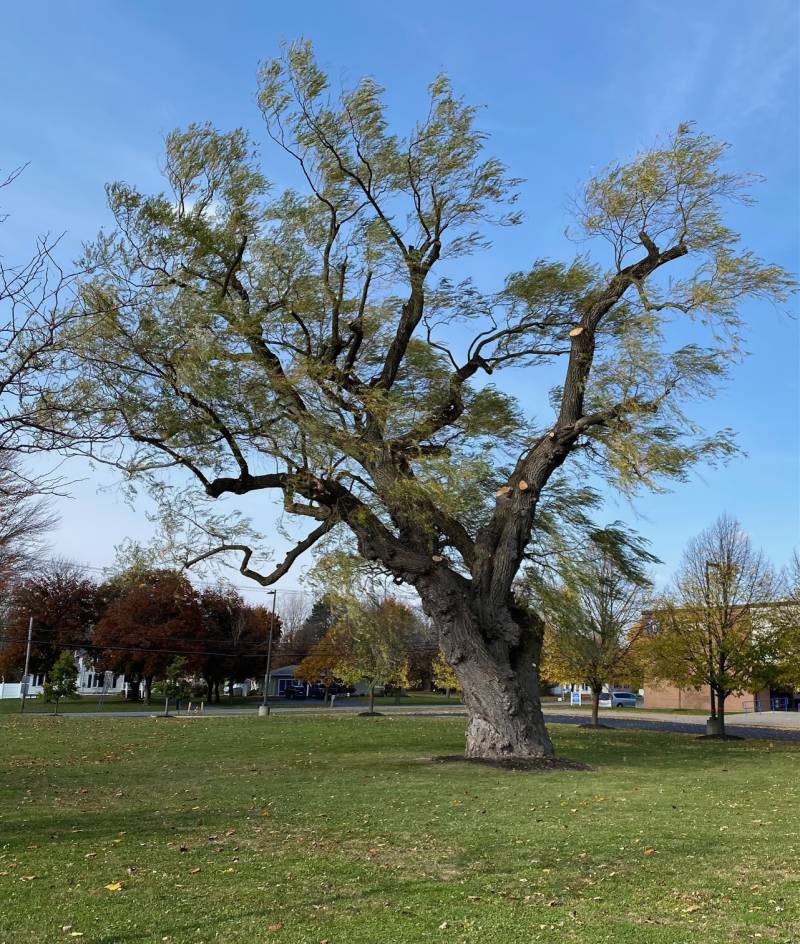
point(788, 720)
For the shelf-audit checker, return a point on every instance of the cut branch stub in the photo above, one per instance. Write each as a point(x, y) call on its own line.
point(523, 485)
point(577, 332)
point(437, 558)
point(502, 491)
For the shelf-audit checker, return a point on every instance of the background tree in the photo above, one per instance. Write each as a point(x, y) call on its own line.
point(174, 685)
point(228, 329)
point(35, 309)
point(25, 519)
point(297, 644)
point(236, 636)
point(593, 613)
point(712, 627)
point(322, 663)
point(444, 676)
point(785, 620)
point(371, 642)
point(63, 603)
point(156, 617)
point(62, 679)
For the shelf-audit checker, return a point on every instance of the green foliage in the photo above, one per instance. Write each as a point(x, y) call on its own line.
point(370, 643)
point(62, 679)
point(175, 685)
point(593, 609)
point(227, 328)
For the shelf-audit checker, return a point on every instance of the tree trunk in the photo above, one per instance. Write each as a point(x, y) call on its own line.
point(372, 699)
point(596, 706)
point(721, 712)
point(494, 650)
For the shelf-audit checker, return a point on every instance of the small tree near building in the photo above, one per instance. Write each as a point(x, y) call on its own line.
point(708, 630)
point(62, 680)
point(321, 664)
point(593, 614)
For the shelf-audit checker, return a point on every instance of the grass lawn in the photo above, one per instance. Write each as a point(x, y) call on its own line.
point(84, 703)
point(339, 829)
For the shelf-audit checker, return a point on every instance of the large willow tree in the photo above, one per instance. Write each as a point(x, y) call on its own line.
point(309, 345)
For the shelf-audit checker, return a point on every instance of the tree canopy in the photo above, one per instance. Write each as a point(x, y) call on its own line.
point(328, 345)
point(593, 613)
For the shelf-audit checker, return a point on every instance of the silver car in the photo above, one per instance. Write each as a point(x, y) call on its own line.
point(617, 700)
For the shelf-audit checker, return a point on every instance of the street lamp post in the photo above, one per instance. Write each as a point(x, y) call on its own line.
point(24, 685)
point(263, 710)
point(713, 724)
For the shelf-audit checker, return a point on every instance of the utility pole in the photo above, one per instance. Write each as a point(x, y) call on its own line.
point(713, 724)
point(27, 664)
point(264, 709)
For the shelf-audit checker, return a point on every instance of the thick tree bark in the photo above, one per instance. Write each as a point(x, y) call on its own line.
point(494, 650)
point(721, 712)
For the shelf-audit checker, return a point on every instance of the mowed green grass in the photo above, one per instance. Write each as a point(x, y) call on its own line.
point(90, 703)
point(341, 829)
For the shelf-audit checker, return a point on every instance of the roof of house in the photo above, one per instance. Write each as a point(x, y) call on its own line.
point(286, 672)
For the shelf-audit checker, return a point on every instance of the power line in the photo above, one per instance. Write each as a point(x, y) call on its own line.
point(97, 648)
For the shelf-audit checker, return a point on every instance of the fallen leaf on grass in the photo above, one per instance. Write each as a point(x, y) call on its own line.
point(114, 887)
point(691, 908)
point(649, 851)
point(276, 926)
point(194, 871)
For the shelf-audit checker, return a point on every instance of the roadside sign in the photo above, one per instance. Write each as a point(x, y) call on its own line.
point(575, 698)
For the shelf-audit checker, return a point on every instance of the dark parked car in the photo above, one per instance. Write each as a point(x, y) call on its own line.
point(295, 691)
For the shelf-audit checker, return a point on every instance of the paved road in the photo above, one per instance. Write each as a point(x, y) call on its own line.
point(681, 727)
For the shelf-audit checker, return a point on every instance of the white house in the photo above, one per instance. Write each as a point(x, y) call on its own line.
point(90, 682)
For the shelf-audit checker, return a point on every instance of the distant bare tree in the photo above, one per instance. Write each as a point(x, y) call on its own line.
point(33, 311)
point(25, 518)
point(709, 627)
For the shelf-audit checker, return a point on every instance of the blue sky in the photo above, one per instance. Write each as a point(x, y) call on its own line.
point(91, 89)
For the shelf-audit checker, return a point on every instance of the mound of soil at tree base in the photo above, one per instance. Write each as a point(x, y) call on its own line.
point(514, 763)
point(719, 737)
point(369, 714)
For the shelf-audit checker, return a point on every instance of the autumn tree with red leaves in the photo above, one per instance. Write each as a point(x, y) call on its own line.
point(236, 636)
point(151, 620)
point(63, 603)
